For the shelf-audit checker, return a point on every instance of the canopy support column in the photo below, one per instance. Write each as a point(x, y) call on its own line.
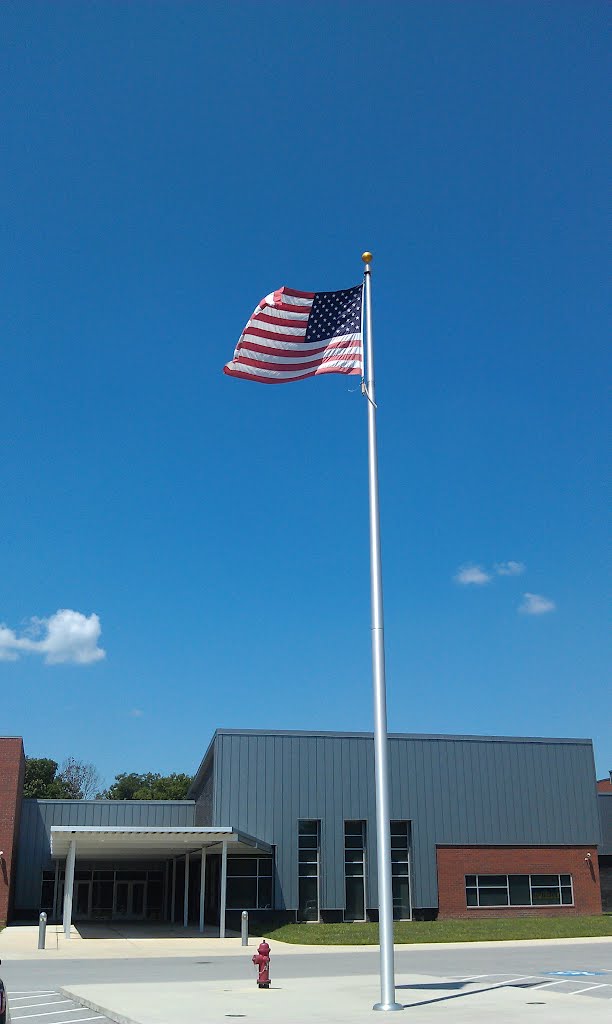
point(166, 876)
point(186, 893)
point(56, 892)
point(69, 887)
point(202, 887)
point(223, 889)
point(173, 893)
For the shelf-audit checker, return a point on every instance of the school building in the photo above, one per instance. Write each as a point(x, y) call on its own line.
point(282, 824)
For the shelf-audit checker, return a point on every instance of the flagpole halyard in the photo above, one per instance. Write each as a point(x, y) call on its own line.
point(383, 838)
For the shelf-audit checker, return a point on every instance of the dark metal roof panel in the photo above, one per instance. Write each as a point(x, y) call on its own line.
point(394, 735)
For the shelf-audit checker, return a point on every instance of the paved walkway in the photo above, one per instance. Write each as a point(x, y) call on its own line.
point(20, 942)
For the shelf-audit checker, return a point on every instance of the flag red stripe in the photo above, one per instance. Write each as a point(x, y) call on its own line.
point(298, 295)
point(269, 364)
point(265, 380)
point(287, 307)
point(287, 380)
point(298, 343)
point(284, 353)
point(356, 371)
point(265, 318)
point(258, 332)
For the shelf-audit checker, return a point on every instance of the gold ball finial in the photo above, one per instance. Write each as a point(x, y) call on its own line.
point(366, 257)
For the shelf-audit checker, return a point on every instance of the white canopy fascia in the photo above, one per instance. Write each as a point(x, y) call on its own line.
point(99, 842)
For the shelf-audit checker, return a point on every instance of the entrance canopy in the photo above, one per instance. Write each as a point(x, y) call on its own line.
point(100, 842)
point(97, 842)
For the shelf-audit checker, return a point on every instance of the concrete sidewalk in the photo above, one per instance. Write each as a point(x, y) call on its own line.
point(339, 1000)
point(105, 941)
point(20, 942)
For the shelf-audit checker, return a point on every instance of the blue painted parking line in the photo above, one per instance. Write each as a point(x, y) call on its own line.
point(575, 974)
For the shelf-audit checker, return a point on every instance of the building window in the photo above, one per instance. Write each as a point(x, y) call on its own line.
point(47, 890)
point(249, 883)
point(519, 890)
point(354, 870)
point(309, 856)
point(400, 869)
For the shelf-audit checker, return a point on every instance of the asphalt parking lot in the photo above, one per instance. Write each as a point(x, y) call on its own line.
point(541, 962)
point(49, 1007)
point(591, 983)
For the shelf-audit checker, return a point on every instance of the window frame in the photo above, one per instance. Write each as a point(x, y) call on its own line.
point(559, 887)
point(45, 882)
point(317, 848)
point(364, 848)
point(259, 876)
point(407, 823)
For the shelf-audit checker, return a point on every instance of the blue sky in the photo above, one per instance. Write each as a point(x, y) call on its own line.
point(167, 164)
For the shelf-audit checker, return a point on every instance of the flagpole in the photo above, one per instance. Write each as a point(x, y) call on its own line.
point(383, 839)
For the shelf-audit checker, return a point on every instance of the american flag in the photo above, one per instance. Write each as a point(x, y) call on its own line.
point(292, 335)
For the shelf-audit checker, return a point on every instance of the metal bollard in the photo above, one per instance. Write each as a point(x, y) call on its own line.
point(42, 930)
point(245, 928)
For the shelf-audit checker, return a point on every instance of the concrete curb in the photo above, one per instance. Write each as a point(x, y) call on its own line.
point(89, 1004)
point(467, 944)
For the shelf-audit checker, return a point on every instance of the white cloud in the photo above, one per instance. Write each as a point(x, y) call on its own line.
point(7, 644)
point(471, 574)
point(510, 568)
point(66, 636)
point(136, 713)
point(536, 604)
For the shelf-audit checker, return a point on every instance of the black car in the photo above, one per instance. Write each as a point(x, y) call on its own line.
point(5, 1013)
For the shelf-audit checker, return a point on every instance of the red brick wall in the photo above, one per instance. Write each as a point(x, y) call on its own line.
point(455, 862)
point(12, 768)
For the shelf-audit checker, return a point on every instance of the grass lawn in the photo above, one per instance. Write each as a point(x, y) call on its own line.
point(446, 931)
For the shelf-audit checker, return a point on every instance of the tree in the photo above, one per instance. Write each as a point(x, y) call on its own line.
point(76, 780)
point(41, 780)
point(148, 786)
point(82, 779)
point(171, 787)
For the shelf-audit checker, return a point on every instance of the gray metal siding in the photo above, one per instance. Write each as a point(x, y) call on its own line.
point(604, 802)
point(37, 817)
point(204, 803)
point(454, 790)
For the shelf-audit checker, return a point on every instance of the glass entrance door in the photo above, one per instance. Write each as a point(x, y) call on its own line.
point(82, 901)
point(138, 899)
point(129, 900)
point(122, 899)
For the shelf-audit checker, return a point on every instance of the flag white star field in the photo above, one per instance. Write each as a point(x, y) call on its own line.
point(292, 335)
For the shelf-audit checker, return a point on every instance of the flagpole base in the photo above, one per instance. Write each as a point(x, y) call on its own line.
point(387, 1006)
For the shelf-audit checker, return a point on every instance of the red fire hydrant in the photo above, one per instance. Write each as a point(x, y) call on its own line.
point(261, 959)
